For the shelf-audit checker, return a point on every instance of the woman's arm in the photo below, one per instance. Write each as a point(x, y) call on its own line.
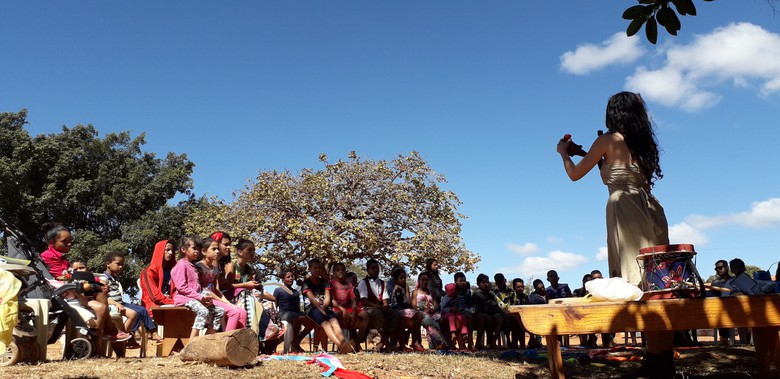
point(414, 299)
point(594, 155)
point(328, 299)
point(316, 303)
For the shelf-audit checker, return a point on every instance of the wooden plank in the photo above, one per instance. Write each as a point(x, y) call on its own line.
point(176, 323)
point(554, 357)
point(650, 315)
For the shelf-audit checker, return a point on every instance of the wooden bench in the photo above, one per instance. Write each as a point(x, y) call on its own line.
point(174, 324)
point(759, 312)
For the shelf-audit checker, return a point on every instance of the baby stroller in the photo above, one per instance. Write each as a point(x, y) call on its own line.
point(38, 285)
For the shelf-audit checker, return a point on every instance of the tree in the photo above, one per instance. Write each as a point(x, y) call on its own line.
point(106, 189)
point(651, 13)
point(349, 211)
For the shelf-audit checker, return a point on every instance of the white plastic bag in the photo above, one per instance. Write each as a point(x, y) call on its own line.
point(613, 289)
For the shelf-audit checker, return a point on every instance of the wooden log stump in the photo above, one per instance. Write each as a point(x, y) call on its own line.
point(234, 348)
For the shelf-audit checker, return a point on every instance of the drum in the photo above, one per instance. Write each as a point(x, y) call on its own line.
point(668, 271)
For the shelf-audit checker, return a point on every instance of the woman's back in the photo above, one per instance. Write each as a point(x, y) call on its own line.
point(616, 151)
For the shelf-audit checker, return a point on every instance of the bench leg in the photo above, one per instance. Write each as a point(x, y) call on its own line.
point(766, 340)
point(554, 356)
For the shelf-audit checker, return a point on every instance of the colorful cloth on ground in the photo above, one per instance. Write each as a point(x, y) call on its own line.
point(331, 365)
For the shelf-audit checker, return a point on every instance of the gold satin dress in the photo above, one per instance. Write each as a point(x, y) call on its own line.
point(635, 219)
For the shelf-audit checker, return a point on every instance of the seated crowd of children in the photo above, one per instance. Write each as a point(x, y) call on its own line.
point(224, 293)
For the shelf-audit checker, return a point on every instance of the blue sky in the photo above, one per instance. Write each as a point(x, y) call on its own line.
point(483, 90)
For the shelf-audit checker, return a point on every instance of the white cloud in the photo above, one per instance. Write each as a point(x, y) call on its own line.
point(687, 233)
point(762, 214)
point(524, 249)
point(602, 254)
point(742, 54)
point(589, 57)
point(538, 266)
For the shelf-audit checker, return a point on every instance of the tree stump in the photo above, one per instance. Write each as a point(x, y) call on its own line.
point(234, 348)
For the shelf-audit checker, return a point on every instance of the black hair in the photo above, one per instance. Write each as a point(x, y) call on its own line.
point(112, 255)
point(351, 274)
point(243, 243)
point(517, 280)
point(206, 242)
point(722, 261)
point(78, 259)
point(482, 277)
point(587, 277)
point(736, 262)
point(498, 276)
point(552, 272)
point(52, 230)
point(537, 281)
point(429, 262)
point(333, 266)
point(283, 271)
point(626, 114)
point(397, 272)
point(425, 274)
point(191, 239)
point(314, 260)
point(459, 275)
point(594, 272)
point(371, 261)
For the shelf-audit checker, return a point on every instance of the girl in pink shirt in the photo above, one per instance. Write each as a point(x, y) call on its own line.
point(186, 288)
point(60, 241)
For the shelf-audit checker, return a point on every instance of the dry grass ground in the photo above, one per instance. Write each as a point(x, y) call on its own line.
point(707, 362)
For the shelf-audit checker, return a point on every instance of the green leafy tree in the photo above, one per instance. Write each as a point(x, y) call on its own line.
point(110, 192)
point(349, 211)
point(652, 13)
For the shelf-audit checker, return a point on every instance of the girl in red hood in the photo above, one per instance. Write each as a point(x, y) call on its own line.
point(156, 279)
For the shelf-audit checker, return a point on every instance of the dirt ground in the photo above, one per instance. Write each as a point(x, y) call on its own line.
point(707, 361)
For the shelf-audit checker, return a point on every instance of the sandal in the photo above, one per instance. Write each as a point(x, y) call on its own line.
point(121, 337)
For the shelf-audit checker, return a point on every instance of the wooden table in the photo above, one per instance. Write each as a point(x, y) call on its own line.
point(174, 325)
point(759, 312)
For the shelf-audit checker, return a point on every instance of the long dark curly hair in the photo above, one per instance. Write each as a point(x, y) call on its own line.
point(627, 115)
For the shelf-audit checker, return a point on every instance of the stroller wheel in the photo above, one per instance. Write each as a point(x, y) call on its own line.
point(31, 351)
point(80, 348)
point(10, 355)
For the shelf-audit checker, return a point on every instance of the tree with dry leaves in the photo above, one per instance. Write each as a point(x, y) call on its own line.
point(348, 211)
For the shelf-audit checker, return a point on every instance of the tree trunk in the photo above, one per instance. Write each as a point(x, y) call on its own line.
point(234, 348)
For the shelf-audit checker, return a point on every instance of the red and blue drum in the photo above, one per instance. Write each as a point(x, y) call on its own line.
point(669, 271)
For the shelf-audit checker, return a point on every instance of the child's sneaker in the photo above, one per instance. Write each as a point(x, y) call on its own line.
point(121, 337)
